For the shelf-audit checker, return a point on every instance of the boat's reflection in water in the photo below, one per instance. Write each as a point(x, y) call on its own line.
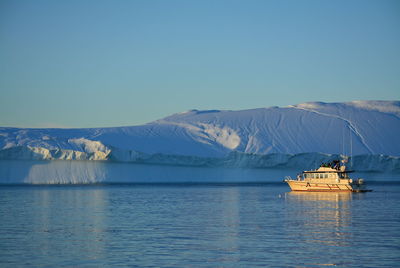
point(320, 218)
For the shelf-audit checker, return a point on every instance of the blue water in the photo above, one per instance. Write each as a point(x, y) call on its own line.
point(198, 225)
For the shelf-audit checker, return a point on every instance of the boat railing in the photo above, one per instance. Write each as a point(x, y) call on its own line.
point(288, 178)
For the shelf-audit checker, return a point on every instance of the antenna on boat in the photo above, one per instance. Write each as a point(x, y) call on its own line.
point(351, 142)
point(344, 125)
point(344, 157)
point(351, 150)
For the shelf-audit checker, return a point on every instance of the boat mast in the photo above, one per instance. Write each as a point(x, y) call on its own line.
point(351, 150)
point(343, 140)
point(351, 143)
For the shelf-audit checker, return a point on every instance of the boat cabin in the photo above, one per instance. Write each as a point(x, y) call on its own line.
point(331, 170)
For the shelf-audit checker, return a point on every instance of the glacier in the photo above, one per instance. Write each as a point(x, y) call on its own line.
point(295, 137)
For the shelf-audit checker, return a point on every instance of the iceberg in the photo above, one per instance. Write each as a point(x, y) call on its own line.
point(298, 136)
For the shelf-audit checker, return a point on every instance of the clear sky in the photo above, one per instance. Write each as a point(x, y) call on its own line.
point(113, 63)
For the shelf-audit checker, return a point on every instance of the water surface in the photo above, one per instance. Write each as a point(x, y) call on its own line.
point(198, 225)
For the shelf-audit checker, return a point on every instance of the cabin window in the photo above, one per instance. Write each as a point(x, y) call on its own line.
point(326, 176)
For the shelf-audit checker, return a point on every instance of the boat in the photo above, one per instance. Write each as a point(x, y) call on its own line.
point(329, 177)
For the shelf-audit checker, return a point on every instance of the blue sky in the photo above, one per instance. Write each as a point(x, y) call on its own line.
point(113, 63)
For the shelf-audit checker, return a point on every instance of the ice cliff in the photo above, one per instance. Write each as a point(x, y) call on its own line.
point(234, 159)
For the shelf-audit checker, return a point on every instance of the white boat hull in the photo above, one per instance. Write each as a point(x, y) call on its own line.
point(322, 186)
point(331, 177)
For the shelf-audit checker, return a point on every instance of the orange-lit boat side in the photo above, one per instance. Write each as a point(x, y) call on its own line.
point(331, 177)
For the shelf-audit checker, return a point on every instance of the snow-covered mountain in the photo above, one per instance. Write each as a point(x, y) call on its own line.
point(365, 127)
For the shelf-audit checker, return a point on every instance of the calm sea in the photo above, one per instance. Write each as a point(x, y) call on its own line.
point(198, 225)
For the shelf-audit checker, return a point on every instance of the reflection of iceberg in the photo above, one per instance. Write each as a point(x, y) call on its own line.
point(63, 223)
point(226, 231)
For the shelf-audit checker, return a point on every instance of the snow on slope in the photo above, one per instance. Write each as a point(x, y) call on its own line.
point(369, 127)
